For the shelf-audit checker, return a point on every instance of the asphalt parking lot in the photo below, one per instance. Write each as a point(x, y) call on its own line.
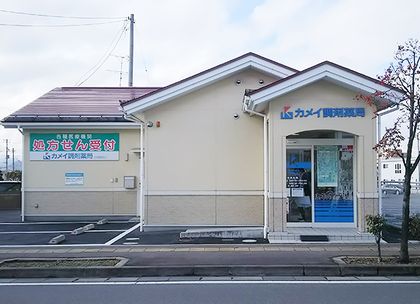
point(15, 233)
point(41, 233)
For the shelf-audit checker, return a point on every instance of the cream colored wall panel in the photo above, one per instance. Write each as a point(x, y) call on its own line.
point(239, 210)
point(181, 210)
point(200, 146)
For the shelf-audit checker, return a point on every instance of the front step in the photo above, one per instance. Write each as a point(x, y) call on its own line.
point(334, 235)
point(223, 233)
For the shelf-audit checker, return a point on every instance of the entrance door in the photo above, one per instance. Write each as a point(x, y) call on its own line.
point(319, 182)
point(333, 191)
point(299, 184)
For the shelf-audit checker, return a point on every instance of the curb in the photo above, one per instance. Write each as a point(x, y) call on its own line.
point(220, 270)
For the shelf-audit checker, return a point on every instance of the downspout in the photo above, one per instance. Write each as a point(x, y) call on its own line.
point(140, 189)
point(22, 182)
point(265, 156)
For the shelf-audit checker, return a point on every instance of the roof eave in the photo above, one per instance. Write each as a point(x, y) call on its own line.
point(326, 71)
point(203, 79)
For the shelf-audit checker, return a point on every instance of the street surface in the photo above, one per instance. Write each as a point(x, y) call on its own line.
point(392, 207)
point(215, 290)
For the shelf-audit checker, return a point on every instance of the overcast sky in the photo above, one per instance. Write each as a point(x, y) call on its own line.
point(177, 38)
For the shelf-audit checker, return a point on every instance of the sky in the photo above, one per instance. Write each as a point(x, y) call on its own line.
point(177, 38)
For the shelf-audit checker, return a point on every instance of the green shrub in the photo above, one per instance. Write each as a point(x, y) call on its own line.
point(375, 225)
point(415, 227)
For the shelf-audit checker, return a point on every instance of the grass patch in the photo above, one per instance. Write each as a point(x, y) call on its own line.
point(394, 260)
point(58, 263)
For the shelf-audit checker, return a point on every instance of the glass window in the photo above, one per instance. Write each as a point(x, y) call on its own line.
point(298, 183)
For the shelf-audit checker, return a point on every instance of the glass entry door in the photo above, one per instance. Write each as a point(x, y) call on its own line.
point(299, 184)
point(319, 182)
point(333, 189)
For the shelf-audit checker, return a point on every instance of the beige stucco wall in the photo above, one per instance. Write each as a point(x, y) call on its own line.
point(102, 192)
point(200, 146)
point(323, 94)
point(203, 167)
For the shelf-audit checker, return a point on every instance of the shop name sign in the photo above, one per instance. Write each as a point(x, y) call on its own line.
point(321, 112)
point(74, 146)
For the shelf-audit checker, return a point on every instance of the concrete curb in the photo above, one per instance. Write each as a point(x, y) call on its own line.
point(220, 270)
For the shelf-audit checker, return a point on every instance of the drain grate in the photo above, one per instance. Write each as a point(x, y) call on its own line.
point(314, 238)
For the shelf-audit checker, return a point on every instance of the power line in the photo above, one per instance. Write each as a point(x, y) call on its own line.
point(56, 25)
point(104, 58)
point(57, 16)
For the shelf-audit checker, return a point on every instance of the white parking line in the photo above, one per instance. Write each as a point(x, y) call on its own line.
point(120, 236)
point(34, 232)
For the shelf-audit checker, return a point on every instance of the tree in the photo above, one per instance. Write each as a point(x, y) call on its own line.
point(403, 74)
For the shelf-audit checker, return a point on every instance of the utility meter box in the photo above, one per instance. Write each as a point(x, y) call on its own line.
point(129, 182)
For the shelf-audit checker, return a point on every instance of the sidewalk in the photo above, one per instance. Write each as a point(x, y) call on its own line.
point(285, 259)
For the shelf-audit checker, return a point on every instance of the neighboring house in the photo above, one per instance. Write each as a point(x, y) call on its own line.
point(393, 170)
point(250, 142)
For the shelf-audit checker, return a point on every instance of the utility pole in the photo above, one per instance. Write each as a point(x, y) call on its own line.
point(7, 155)
point(130, 65)
point(13, 159)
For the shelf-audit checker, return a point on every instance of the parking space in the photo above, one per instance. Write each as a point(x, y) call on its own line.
point(13, 234)
point(172, 237)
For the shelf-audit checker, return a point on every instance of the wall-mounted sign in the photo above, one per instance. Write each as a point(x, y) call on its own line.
point(74, 178)
point(74, 146)
point(321, 112)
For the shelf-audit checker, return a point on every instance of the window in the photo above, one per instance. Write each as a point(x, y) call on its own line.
point(385, 166)
point(397, 168)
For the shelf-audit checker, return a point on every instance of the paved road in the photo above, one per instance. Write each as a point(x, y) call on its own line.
point(392, 207)
point(215, 292)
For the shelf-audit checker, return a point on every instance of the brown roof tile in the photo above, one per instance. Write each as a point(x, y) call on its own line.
point(79, 101)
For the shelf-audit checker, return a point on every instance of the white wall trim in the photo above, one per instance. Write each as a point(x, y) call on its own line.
point(325, 71)
point(78, 189)
point(278, 195)
point(367, 195)
point(81, 214)
point(212, 193)
point(71, 125)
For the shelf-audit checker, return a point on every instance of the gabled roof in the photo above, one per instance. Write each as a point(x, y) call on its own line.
point(197, 81)
point(326, 70)
point(71, 104)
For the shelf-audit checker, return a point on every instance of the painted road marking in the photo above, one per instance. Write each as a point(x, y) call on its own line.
point(120, 236)
point(204, 282)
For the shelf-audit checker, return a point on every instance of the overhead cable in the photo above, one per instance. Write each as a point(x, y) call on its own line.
point(58, 16)
point(104, 58)
point(56, 25)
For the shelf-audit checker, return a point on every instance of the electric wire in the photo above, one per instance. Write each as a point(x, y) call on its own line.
point(57, 25)
point(58, 16)
point(105, 57)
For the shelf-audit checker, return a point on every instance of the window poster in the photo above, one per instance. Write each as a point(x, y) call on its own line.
point(327, 162)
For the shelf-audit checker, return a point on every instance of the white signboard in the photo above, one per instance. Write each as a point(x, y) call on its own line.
point(74, 178)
